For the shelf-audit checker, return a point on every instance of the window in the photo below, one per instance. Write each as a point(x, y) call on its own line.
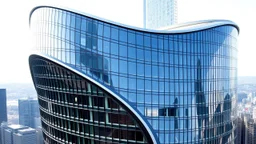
point(106, 31)
point(100, 29)
point(131, 52)
point(139, 39)
point(83, 25)
point(78, 22)
point(147, 42)
point(140, 69)
point(122, 51)
point(123, 35)
point(131, 38)
point(173, 112)
point(152, 112)
point(140, 54)
point(114, 48)
point(114, 33)
point(132, 68)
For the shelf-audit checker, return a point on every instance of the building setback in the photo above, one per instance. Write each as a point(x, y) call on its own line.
point(99, 81)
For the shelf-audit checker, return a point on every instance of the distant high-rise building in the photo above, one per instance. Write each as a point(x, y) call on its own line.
point(39, 136)
point(160, 13)
point(240, 130)
point(17, 134)
point(3, 110)
point(250, 130)
point(29, 112)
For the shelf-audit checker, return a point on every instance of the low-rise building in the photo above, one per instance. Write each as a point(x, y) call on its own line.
point(17, 134)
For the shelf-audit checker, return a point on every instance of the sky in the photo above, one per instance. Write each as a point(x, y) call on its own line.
point(15, 37)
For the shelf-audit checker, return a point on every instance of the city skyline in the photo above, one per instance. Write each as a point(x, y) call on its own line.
point(95, 67)
point(15, 28)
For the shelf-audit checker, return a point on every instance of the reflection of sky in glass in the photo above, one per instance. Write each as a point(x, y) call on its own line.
point(183, 84)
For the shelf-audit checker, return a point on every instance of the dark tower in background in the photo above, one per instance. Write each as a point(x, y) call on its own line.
point(3, 111)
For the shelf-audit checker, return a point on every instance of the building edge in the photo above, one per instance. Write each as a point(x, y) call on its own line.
point(174, 29)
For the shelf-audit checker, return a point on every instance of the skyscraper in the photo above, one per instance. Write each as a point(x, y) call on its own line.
point(102, 82)
point(3, 110)
point(160, 13)
point(250, 130)
point(29, 112)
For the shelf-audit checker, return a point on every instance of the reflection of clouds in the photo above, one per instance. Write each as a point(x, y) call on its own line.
point(178, 86)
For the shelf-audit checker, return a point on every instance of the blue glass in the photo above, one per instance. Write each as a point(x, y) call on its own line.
point(131, 38)
point(100, 29)
point(114, 48)
point(148, 55)
point(132, 97)
point(148, 70)
point(122, 66)
point(132, 69)
point(122, 51)
point(154, 42)
point(77, 38)
point(140, 84)
point(154, 56)
point(114, 64)
point(148, 98)
point(140, 69)
point(139, 39)
point(73, 21)
point(155, 88)
point(132, 52)
point(114, 33)
point(106, 47)
point(154, 71)
point(122, 35)
point(132, 83)
point(94, 27)
point(160, 43)
point(106, 31)
point(123, 83)
point(140, 54)
point(147, 42)
point(176, 81)
point(140, 98)
point(84, 25)
point(78, 23)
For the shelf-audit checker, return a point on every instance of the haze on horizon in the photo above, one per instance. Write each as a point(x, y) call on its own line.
point(15, 44)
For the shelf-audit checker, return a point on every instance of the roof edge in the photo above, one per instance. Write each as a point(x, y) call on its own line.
point(173, 29)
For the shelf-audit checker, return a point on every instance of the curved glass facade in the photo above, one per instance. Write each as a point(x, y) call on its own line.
point(77, 111)
point(183, 84)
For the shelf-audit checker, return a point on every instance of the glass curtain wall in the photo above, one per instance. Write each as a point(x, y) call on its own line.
point(184, 84)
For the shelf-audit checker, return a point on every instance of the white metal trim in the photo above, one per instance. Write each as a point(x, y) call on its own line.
point(208, 23)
